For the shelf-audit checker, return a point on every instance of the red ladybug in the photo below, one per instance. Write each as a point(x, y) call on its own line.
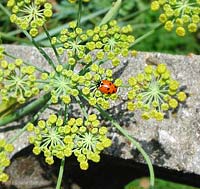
point(107, 87)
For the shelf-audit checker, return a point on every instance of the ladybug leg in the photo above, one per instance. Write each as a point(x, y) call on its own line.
point(98, 84)
point(95, 87)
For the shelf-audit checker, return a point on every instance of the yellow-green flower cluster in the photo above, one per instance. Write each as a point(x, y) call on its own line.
point(30, 14)
point(65, 83)
point(48, 138)
point(5, 150)
point(62, 84)
point(179, 14)
point(83, 138)
point(92, 82)
point(154, 92)
point(17, 81)
point(89, 139)
point(109, 40)
point(72, 41)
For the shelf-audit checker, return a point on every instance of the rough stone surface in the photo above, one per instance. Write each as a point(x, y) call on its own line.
point(172, 143)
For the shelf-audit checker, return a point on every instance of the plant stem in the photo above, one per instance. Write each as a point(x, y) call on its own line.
point(134, 142)
point(36, 116)
point(66, 112)
point(53, 47)
point(112, 12)
point(83, 20)
point(25, 110)
point(86, 68)
point(61, 171)
point(4, 10)
point(26, 63)
point(142, 25)
point(15, 39)
point(134, 14)
point(44, 54)
point(79, 13)
point(141, 38)
point(8, 107)
point(82, 107)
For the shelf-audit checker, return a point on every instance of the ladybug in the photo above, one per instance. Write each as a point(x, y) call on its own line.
point(107, 87)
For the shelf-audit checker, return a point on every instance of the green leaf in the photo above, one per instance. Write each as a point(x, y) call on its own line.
point(112, 12)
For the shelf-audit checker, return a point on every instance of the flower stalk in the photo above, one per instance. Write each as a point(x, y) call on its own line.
point(149, 33)
point(37, 104)
point(79, 13)
point(111, 13)
point(133, 141)
point(60, 175)
point(53, 47)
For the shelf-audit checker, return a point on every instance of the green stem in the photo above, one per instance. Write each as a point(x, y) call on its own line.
point(79, 13)
point(14, 32)
point(8, 107)
point(145, 35)
point(112, 12)
point(84, 19)
point(134, 14)
point(25, 110)
point(82, 107)
point(61, 171)
point(62, 165)
point(15, 39)
point(4, 10)
point(36, 116)
point(53, 47)
point(66, 112)
point(151, 25)
point(134, 142)
point(26, 63)
point(86, 68)
point(44, 54)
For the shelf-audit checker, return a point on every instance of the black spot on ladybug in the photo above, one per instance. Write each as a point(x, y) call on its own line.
point(110, 83)
point(108, 89)
point(108, 93)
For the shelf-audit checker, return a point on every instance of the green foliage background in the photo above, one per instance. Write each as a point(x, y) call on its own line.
point(134, 12)
point(159, 184)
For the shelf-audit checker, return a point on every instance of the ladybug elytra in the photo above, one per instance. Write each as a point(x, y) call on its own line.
point(107, 87)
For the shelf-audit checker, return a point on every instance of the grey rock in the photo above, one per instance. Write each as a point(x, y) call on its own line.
point(172, 143)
